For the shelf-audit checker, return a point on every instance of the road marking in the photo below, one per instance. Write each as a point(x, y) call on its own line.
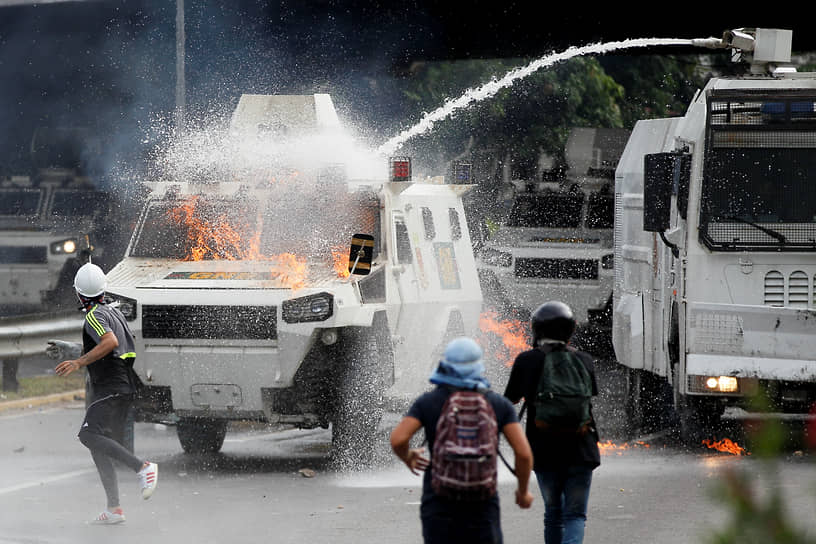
point(45, 481)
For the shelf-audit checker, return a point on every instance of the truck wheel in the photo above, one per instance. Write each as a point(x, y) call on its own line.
point(633, 402)
point(366, 363)
point(201, 435)
point(609, 407)
point(698, 419)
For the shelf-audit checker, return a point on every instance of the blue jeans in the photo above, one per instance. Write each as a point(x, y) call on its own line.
point(565, 493)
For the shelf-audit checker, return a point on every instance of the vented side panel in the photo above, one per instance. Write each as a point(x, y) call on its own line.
point(774, 289)
point(798, 289)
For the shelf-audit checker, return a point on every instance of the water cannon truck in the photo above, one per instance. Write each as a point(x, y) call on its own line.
point(715, 246)
point(297, 296)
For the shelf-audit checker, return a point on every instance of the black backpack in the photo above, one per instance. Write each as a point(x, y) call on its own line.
point(563, 396)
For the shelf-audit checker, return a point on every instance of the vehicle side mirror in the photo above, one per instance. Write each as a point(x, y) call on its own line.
point(658, 183)
point(361, 254)
point(683, 177)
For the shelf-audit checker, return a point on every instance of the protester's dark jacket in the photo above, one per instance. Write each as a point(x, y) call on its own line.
point(551, 449)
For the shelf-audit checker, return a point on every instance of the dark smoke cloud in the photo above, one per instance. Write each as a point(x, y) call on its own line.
point(110, 65)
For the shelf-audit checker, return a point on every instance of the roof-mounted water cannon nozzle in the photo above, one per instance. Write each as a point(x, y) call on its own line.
point(765, 49)
point(741, 38)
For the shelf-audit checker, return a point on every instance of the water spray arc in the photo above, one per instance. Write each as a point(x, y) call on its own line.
point(740, 40)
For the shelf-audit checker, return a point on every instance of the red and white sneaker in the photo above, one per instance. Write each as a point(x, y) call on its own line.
point(149, 477)
point(108, 517)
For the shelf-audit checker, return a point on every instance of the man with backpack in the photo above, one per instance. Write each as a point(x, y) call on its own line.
point(462, 420)
point(557, 383)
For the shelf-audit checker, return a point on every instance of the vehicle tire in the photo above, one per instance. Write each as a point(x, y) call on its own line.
point(699, 418)
point(633, 403)
point(609, 407)
point(201, 435)
point(365, 371)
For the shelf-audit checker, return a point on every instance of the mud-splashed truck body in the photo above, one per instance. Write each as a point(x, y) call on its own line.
point(277, 332)
point(715, 245)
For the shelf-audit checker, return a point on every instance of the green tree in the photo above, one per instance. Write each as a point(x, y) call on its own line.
point(536, 113)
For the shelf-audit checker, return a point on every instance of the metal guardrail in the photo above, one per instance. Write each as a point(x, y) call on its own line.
point(27, 335)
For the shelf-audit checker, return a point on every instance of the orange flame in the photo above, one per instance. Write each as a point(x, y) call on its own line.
point(340, 261)
point(217, 239)
point(291, 270)
point(726, 446)
point(609, 447)
point(512, 333)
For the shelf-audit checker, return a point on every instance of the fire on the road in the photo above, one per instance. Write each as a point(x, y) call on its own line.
point(726, 445)
point(608, 447)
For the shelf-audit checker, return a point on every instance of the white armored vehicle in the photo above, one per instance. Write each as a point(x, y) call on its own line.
point(293, 292)
point(556, 242)
point(715, 244)
point(50, 217)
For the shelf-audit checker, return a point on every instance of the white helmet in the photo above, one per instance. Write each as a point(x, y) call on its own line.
point(90, 281)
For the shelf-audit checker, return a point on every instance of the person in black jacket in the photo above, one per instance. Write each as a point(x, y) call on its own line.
point(563, 461)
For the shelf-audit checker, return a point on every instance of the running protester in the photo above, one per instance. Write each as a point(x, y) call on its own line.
point(108, 353)
point(448, 520)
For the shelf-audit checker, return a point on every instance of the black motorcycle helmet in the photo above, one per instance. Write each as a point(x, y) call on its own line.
point(552, 320)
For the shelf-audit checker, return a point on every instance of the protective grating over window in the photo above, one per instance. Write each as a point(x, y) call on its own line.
point(210, 322)
point(774, 289)
point(760, 108)
point(757, 176)
point(798, 289)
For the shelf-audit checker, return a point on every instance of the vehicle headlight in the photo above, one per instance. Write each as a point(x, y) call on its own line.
point(317, 307)
point(496, 258)
point(127, 306)
point(64, 247)
point(721, 384)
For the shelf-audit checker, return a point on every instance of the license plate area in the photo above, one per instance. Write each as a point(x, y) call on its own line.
point(206, 395)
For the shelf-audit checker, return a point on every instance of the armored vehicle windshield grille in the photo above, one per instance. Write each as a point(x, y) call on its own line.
point(210, 322)
point(759, 162)
point(19, 202)
point(23, 255)
point(576, 269)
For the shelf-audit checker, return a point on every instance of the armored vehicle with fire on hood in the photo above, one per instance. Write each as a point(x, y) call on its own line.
point(293, 286)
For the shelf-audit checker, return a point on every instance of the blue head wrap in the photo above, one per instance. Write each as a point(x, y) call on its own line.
point(461, 366)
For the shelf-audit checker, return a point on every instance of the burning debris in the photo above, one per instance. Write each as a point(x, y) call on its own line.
point(608, 447)
point(726, 445)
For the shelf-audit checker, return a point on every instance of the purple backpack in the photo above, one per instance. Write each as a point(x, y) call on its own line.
point(463, 461)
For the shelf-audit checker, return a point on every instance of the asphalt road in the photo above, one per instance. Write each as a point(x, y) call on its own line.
point(256, 490)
